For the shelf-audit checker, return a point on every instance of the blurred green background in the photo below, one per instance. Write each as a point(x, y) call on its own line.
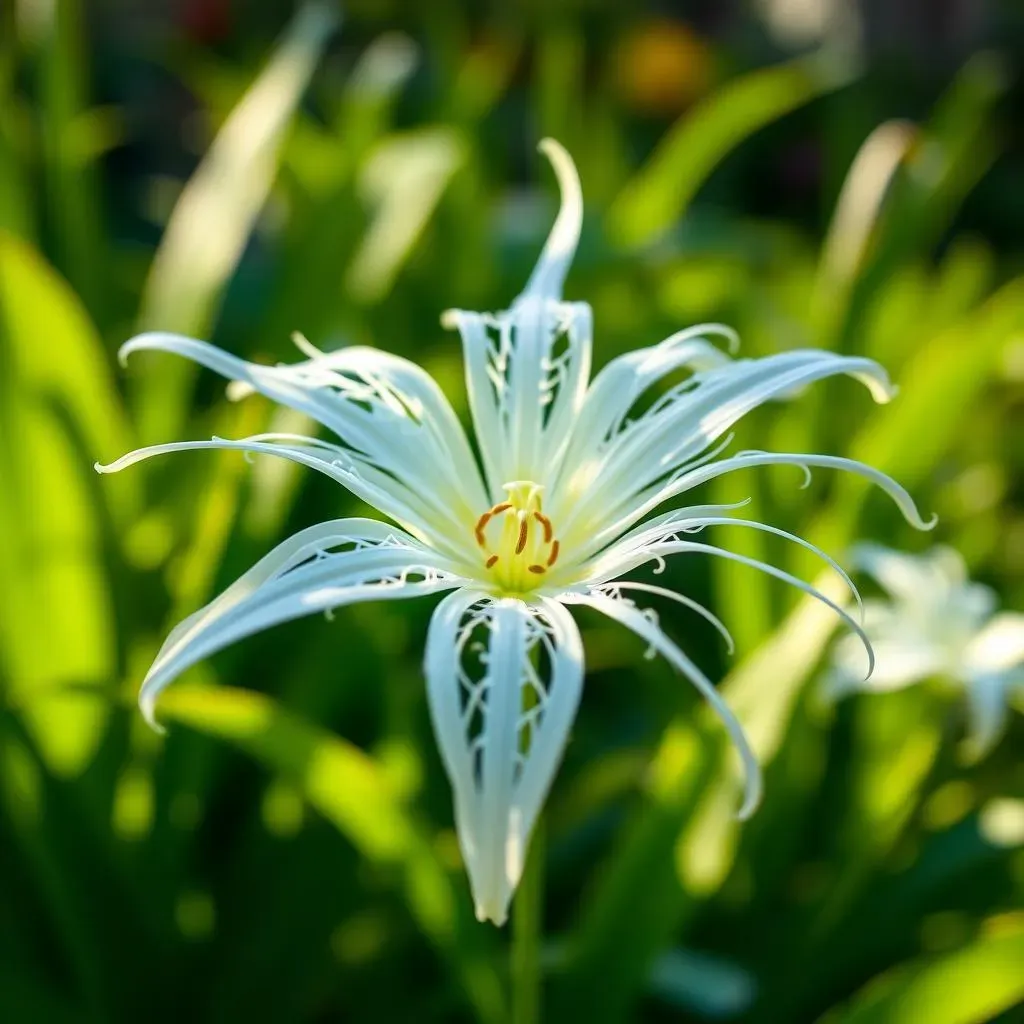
point(840, 175)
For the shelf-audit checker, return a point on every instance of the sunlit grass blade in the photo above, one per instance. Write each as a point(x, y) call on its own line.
point(944, 380)
point(218, 208)
point(57, 409)
point(967, 986)
point(853, 225)
point(658, 195)
point(403, 180)
point(955, 149)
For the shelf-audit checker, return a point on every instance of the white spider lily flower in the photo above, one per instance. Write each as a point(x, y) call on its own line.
point(936, 623)
point(552, 515)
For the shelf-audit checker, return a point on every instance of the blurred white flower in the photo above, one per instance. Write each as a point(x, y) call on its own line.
point(551, 515)
point(936, 623)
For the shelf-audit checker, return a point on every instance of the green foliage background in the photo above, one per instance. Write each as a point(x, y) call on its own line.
point(285, 852)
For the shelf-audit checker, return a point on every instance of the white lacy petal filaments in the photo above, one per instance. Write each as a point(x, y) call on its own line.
point(556, 509)
point(936, 622)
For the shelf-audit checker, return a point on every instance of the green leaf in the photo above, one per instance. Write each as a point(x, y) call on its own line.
point(403, 181)
point(660, 192)
point(16, 213)
point(218, 208)
point(969, 986)
point(58, 413)
point(71, 140)
point(351, 791)
point(678, 851)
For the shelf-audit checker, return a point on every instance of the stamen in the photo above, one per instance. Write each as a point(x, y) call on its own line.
point(546, 523)
point(479, 531)
point(482, 522)
point(522, 538)
point(521, 553)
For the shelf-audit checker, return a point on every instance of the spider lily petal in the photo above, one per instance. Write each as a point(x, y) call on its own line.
point(616, 563)
point(527, 368)
point(630, 512)
point(318, 569)
point(690, 417)
point(503, 680)
point(901, 661)
point(994, 665)
point(416, 511)
point(668, 527)
point(565, 502)
point(907, 576)
point(641, 623)
point(394, 423)
point(999, 646)
point(618, 386)
point(937, 623)
point(986, 712)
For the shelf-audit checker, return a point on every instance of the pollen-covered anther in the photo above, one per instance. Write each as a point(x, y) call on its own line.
point(481, 523)
point(553, 557)
point(546, 523)
point(521, 542)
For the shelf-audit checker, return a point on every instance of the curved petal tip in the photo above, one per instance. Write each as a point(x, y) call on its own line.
point(753, 791)
point(549, 274)
point(136, 344)
point(148, 709)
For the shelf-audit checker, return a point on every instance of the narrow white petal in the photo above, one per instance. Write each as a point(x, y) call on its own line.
point(503, 683)
point(999, 647)
point(321, 568)
point(911, 577)
point(615, 590)
point(632, 511)
point(900, 661)
point(616, 389)
point(416, 511)
point(650, 452)
point(615, 563)
point(669, 528)
point(527, 368)
point(549, 274)
point(633, 618)
point(986, 712)
point(385, 408)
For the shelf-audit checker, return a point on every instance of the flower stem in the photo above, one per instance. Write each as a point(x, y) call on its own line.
point(527, 934)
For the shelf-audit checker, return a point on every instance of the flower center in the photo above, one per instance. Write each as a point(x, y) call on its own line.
point(517, 540)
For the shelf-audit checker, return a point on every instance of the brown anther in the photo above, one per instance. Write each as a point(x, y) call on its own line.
point(490, 561)
point(546, 523)
point(481, 523)
point(521, 543)
point(537, 569)
point(553, 557)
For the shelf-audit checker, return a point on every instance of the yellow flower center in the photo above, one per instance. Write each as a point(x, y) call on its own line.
point(517, 540)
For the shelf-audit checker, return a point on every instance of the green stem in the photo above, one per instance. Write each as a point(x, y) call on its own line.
point(527, 933)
